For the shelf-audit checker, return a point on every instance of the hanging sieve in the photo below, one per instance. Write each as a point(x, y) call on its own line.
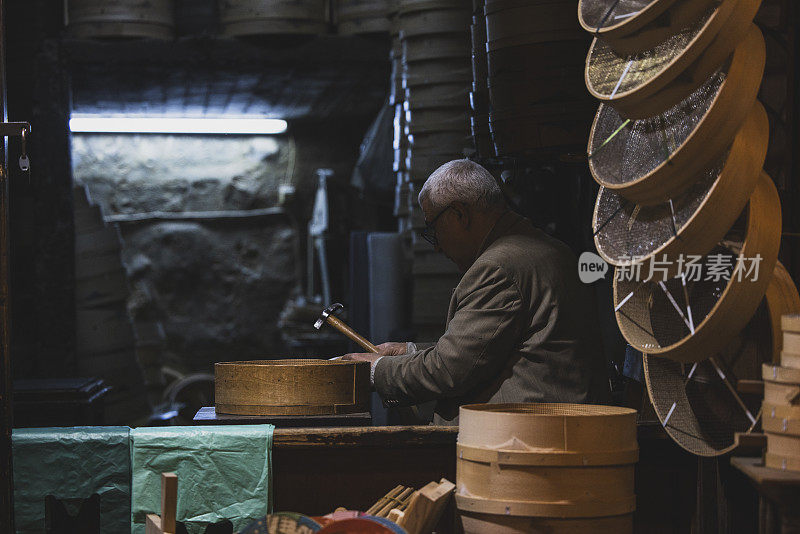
point(632, 26)
point(646, 84)
point(688, 318)
point(693, 222)
point(699, 404)
point(650, 160)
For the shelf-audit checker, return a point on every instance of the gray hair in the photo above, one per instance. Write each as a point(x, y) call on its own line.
point(462, 180)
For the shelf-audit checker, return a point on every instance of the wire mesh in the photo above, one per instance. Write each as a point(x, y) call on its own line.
point(610, 74)
point(698, 409)
point(658, 315)
point(624, 230)
point(599, 14)
point(624, 151)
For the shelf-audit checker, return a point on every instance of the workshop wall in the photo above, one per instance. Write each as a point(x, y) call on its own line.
point(215, 285)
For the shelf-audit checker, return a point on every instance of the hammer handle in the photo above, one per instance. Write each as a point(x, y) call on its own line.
point(352, 334)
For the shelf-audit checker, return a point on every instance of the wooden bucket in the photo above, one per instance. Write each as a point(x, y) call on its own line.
point(356, 17)
point(546, 468)
point(272, 17)
point(291, 387)
point(120, 18)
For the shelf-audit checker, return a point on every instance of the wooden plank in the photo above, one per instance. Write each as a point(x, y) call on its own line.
point(378, 436)
point(152, 524)
point(208, 416)
point(169, 501)
point(425, 509)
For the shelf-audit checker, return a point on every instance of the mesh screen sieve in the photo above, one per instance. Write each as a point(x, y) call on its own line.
point(609, 74)
point(624, 229)
point(655, 316)
point(602, 13)
point(706, 415)
point(625, 151)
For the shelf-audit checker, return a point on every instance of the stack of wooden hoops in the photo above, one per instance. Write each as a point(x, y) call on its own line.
point(678, 146)
point(555, 468)
point(535, 51)
point(781, 408)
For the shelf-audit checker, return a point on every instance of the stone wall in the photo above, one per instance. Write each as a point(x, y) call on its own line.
point(217, 285)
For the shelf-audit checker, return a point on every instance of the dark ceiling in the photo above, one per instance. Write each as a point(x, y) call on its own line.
point(324, 77)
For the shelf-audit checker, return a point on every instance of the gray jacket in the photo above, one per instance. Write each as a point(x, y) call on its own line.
point(521, 328)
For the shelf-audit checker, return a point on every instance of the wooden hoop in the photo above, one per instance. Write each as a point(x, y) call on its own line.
point(546, 509)
point(776, 461)
point(791, 322)
point(731, 107)
point(739, 300)
point(291, 387)
point(721, 34)
point(789, 359)
point(722, 205)
point(546, 458)
point(652, 25)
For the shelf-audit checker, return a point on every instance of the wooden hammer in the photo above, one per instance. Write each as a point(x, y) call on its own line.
point(328, 316)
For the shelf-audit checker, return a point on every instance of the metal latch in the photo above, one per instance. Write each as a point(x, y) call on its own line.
point(23, 130)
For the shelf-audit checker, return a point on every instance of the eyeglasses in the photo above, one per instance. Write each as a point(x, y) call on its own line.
point(429, 232)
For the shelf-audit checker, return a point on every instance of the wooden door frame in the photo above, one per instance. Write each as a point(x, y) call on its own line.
point(6, 423)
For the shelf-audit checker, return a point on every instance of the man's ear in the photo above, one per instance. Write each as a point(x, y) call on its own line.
point(462, 213)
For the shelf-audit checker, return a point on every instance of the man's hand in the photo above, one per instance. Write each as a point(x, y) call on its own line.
point(392, 349)
point(362, 357)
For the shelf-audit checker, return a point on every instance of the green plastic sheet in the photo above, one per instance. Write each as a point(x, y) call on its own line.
point(224, 472)
point(72, 463)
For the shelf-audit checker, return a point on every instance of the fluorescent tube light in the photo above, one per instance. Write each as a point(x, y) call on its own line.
point(167, 125)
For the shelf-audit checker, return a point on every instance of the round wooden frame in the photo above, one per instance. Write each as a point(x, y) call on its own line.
point(648, 27)
point(723, 203)
point(291, 387)
point(711, 137)
point(584, 456)
point(714, 43)
point(740, 298)
point(781, 297)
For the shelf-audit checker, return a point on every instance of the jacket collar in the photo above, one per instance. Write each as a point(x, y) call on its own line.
point(502, 227)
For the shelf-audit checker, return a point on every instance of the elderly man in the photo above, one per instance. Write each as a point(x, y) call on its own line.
point(521, 327)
